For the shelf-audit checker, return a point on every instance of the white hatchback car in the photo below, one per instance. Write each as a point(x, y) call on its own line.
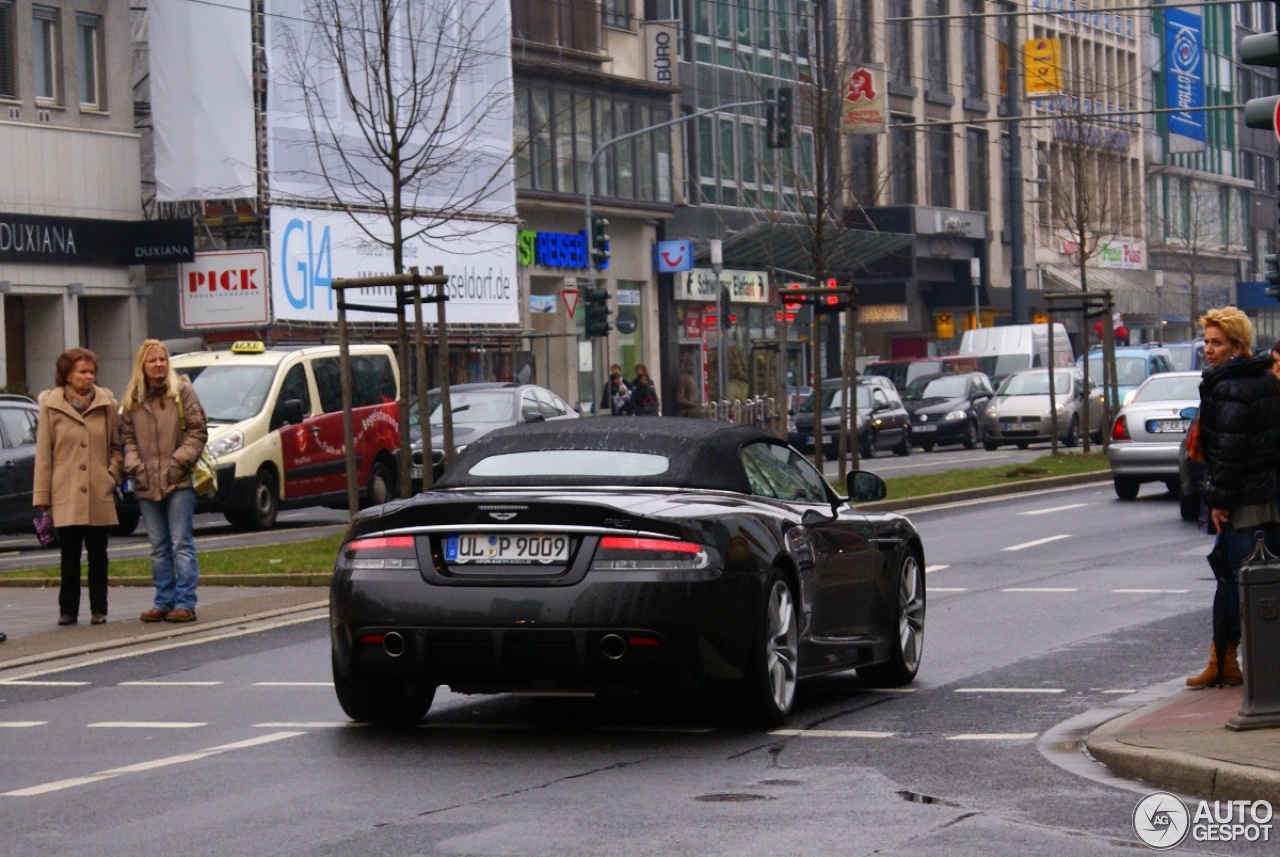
point(1148, 430)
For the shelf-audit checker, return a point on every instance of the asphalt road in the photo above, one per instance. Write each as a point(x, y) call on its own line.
point(1044, 609)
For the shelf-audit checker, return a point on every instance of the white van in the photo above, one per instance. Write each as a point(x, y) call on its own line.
point(275, 426)
point(1001, 350)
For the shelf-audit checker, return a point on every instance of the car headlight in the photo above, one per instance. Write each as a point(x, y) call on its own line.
point(990, 413)
point(955, 415)
point(227, 444)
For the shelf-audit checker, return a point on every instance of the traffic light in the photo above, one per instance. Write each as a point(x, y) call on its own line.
point(600, 243)
point(595, 310)
point(1262, 49)
point(726, 320)
point(777, 118)
point(1272, 262)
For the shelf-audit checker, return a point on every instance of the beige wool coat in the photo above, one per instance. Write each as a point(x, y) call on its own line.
point(158, 453)
point(78, 460)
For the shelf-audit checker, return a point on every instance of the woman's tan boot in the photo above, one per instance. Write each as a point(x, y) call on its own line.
point(1231, 674)
point(1210, 675)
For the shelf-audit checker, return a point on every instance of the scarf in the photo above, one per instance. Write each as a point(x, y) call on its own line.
point(77, 401)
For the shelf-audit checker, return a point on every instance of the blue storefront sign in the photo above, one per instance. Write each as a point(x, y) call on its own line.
point(1184, 75)
point(672, 256)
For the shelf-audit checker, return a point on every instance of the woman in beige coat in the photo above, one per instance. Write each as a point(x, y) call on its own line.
point(78, 468)
point(164, 431)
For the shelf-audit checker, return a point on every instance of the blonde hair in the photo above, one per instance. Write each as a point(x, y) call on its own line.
point(136, 392)
point(1234, 323)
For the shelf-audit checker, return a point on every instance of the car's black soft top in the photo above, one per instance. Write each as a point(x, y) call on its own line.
point(703, 453)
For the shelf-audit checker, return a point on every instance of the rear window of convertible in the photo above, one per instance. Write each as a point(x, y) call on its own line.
point(578, 463)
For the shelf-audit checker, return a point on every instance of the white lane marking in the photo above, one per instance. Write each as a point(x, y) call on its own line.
point(947, 589)
point(994, 736)
point(1121, 690)
point(831, 733)
point(169, 684)
point(888, 690)
point(145, 724)
point(1037, 542)
point(930, 569)
point(59, 785)
point(1010, 690)
point(1151, 591)
point(1054, 509)
point(30, 683)
point(310, 724)
point(21, 724)
point(1039, 589)
point(293, 684)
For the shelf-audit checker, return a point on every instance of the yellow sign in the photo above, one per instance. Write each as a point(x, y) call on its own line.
point(1039, 318)
point(1044, 68)
point(945, 324)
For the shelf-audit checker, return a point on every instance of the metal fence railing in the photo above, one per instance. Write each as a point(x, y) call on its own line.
point(759, 411)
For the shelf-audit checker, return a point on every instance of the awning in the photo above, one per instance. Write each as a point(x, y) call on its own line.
point(1134, 292)
point(787, 246)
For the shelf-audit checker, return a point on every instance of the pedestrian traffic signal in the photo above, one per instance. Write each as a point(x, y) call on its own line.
point(1262, 49)
point(777, 118)
point(1272, 262)
point(600, 243)
point(595, 309)
point(726, 320)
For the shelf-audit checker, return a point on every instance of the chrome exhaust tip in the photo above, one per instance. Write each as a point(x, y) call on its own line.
point(613, 647)
point(393, 644)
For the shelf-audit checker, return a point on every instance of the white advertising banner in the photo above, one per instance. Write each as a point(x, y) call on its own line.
point(202, 99)
point(449, 80)
point(310, 249)
point(225, 289)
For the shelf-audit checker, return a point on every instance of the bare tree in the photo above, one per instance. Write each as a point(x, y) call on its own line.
point(1193, 224)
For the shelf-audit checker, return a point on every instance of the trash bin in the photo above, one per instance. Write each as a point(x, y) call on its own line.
point(1260, 626)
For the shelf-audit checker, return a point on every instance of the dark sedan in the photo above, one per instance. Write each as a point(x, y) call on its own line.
point(882, 422)
point(610, 555)
point(946, 408)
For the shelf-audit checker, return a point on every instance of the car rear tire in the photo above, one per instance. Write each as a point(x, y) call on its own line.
point(1175, 487)
point(386, 702)
point(904, 447)
point(908, 634)
point(927, 446)
point(1023, 444)
point(1127, 487)
point(869, 445)
point(1073, 433)
point(990, 445)
point(971, 436)
point(127, 521)
point(263, 508)
point(770, 687)
point(382, 484)
point(1189, 507)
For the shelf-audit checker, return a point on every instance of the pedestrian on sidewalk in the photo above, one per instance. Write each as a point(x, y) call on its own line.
point(644, 397)
point(164, 431)
point(617, 396)
point(77, 471)
point(1239, 440)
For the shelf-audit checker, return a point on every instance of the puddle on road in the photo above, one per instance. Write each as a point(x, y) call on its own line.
point(731, 797)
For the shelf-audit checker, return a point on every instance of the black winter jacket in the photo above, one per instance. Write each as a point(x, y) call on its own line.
point(1240, 432)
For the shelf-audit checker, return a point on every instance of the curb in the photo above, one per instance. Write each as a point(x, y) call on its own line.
point(281, 579)
point(1183, 772)
point(1019, 487)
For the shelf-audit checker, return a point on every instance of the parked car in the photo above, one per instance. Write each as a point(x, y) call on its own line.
point(881, 420)
point(18, 418)
point(1134, 364)
point(1019, 414)
point(629, 556)
point(1187, 355)
point(902, 371)
point(1149, 429)
point(479, 409)
point(947, 408)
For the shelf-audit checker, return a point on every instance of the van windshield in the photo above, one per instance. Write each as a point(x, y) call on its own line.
point(999, 365)
point(230, 394)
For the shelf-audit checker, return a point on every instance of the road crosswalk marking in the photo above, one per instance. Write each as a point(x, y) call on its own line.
point(169, 684)
point(1037, 542)
point(1054, 509)
point(145, 724)
point(994, 736)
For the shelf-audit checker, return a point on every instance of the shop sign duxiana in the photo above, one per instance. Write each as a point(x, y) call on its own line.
point(86, 241)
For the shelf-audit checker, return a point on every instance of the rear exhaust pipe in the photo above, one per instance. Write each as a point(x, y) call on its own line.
point(613, 647)
point(393, 644)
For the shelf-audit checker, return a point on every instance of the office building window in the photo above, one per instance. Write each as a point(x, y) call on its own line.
point(900, 42)
point(975, 63)
point(617, 13)
point(936, 46)
point(89, 59)
point(862, 169)
point(979, 194)
point(859, 31)
point(941, 167)
point(902, 150)
point(44, 52)
point(8, 80)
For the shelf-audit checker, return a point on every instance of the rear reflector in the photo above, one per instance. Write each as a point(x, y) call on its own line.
point(373, 639)
point(643, 641)
point(631, 553)
point(381, 543)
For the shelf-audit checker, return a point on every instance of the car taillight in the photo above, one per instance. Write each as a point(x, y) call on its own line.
point(1120, 431)
point(381, 552)
point(629, 553)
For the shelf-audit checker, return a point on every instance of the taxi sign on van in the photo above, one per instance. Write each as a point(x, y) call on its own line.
point(248, 346)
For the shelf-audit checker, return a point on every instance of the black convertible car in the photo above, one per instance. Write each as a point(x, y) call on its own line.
point(624, 555)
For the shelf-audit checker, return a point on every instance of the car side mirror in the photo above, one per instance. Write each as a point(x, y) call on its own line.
point(288, 412)
point(534, 418)
point(863, 486)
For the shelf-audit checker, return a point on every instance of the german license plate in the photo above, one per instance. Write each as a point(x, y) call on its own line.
point(492, 548)
point(1161, 426)
point(927, 427)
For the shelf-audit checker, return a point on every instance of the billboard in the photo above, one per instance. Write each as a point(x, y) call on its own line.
point(1044, 68)
point(864, 109)
point(1184, 79)
point(225, 289)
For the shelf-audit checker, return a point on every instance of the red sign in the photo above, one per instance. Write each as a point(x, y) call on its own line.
point(693, 323)
point(570, 297)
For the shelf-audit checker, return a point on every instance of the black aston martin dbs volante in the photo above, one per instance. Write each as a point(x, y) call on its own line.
point(643, 554)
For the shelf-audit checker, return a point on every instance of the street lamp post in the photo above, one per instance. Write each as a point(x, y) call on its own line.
point(722, 307)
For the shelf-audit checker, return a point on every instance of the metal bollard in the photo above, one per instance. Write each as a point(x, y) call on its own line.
point(1260, 621)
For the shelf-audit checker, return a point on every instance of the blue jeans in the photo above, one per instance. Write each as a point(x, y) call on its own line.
point(1238, 545)
point(174, 569)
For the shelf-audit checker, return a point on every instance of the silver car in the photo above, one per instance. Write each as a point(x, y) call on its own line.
point(1148, 430)
point(1019, 414)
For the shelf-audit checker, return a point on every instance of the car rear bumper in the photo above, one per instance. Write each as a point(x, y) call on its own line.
point(610, 631)
point(1157, 460)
